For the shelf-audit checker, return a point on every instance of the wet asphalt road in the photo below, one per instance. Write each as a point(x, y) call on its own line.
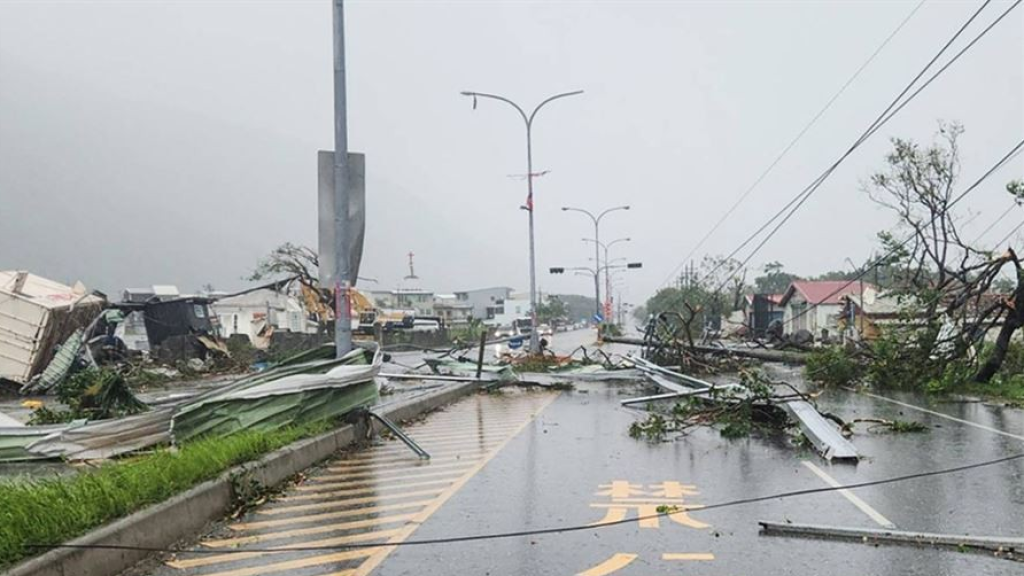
point(526, 460)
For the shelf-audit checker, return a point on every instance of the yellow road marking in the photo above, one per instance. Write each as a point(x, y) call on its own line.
point(463, 432)
point(300, 563)
point(231, 557)
point(475, 450)
point(348, 502)
point(408, 461)
point(388, 473)
point(402, 448)
point(853, 498)
point(615, 563)
point(369, 481)
point(409, 457)
point(327, 515)
point(688, 556)
point(246, 540)
point(375, 489)
point(373, 561)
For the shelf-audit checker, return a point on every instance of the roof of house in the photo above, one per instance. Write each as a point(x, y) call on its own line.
point(820, 292)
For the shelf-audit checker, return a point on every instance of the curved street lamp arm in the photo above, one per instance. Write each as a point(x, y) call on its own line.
point(587, 212)
point(613, 209)
point(550, 99)
point(502, 99)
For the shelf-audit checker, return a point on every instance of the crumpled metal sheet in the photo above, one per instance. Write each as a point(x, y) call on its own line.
point(283, 396)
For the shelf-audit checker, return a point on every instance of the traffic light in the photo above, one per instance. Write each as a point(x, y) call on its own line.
point(635, 265)
point(557, 270)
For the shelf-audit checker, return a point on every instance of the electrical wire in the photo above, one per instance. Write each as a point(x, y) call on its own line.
point(791, 144)
point(547, 531)
point(821, 179)
point(892, 251)
point(882, 119)
point(1012, 232)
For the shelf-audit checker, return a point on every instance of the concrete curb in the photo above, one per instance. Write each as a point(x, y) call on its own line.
point(182, 516)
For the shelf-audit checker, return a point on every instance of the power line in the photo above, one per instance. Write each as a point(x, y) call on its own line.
point(1006, 213)
point(1012, 232)
point(546, 531)
point(791, 144)
point(884, 258)
point(817, 184)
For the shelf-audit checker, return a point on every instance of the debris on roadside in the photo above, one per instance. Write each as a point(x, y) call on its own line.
point(736, 409)
point(37, 316)
point(1006, 547)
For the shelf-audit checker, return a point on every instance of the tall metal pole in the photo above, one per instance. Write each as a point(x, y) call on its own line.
point(534, 338)
point(528, 120)
point(597, 268)
point(343, 310)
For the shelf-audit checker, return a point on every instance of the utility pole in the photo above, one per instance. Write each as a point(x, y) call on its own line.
point(342, 282)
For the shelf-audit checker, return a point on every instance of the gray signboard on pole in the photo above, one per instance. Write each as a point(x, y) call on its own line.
point(325, 214)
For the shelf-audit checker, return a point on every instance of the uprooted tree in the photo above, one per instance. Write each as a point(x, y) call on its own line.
point(302, 264)
point(943, 282)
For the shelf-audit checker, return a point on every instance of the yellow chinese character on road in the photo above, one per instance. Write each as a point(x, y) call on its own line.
point(650, 504)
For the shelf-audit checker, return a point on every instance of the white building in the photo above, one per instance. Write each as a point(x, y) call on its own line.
point(419, 301)
point(451, 310)
point(486, 303)
point(516, 306)
point(816, 305)
point(253, 312)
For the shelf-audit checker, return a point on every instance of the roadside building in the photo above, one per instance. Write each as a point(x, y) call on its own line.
point(760, 310)
point(451, 310)
point(259, 313)
point(816, 306)
point(516, 307)
point(485, 303)
point(419, 301)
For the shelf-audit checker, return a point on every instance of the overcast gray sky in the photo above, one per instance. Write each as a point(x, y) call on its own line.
point(175, 142)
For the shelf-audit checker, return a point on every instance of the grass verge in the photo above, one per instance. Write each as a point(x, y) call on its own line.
point(54, 510)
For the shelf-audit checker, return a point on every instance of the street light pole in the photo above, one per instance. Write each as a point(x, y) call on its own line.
point(528, 120)
point(597, 243)
point(607, 262)
point(342, 297)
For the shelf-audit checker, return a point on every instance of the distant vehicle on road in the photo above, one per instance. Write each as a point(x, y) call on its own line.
point(544, 330)
point(504, 332)
point(523, 326)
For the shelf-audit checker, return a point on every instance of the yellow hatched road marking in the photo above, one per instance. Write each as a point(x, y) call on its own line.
point(300, 563)
point(688, 556)
point(402, 448)
point(231, 557)
point(467, 433)
point(348, 502)
point(397, 462)
point(406, 456)
point(375, 489)
point(246, 540)
point(476, 411)
point(388, 473)
point(436, 449)
point(367, 482)
point(373, 561)
point(613, 564)
point(327, 515)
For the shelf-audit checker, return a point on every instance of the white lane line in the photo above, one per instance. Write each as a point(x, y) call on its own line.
point(856, 501)
point(946, 416)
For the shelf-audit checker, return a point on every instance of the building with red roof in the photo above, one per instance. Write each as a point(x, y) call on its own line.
point(816, 305)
